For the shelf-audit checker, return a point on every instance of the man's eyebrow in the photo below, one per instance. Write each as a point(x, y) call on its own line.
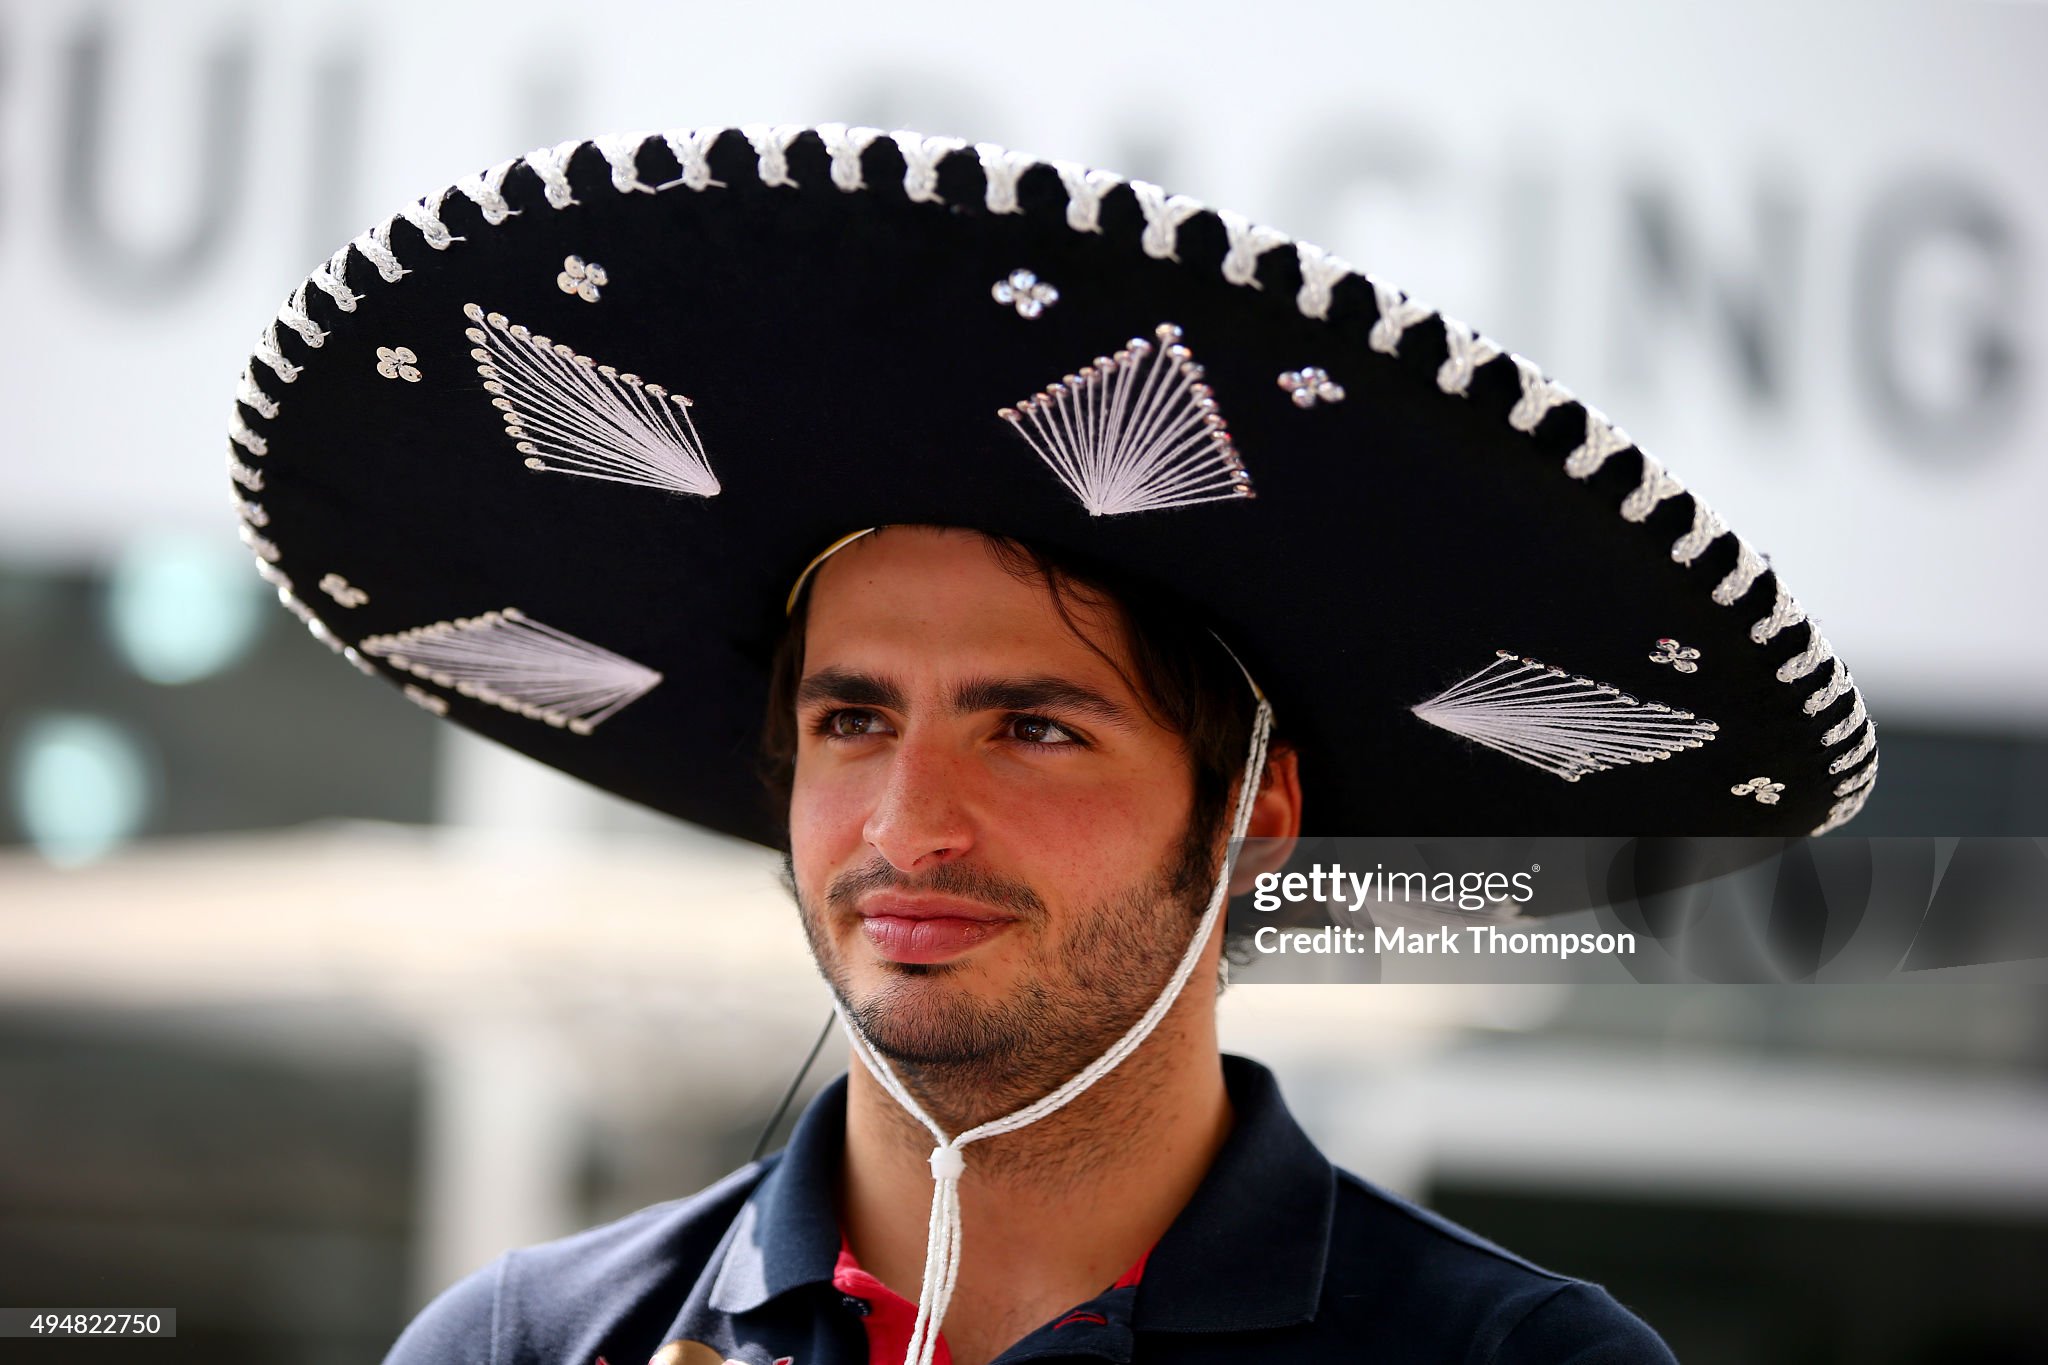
point(1039, 693)
point(849, 688)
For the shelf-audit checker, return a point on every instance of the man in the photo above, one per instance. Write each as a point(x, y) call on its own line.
point(991, 842)
point(1010, 759)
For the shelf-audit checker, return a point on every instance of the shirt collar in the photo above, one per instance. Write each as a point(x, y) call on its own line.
point(1247, 1253)
point(787, 1233)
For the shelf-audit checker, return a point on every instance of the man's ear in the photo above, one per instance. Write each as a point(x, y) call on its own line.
point(1275, 823)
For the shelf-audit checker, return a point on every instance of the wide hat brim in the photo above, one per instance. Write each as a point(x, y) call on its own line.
point(1456, 582)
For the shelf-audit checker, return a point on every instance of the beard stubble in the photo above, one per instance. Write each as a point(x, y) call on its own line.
point(1074, 997)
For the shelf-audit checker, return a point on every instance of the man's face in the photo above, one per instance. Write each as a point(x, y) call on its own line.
point(988, 831)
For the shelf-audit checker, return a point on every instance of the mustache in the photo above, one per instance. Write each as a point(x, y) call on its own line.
point(948, 879)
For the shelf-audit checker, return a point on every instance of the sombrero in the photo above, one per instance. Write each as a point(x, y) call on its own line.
point(548, 449)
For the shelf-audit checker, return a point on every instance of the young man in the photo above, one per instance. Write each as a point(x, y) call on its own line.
point(997, 851)
point(1010, 758)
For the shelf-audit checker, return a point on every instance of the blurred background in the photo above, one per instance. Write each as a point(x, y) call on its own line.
point(309, 1005)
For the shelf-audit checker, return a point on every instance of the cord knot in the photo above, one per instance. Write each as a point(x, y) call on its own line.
point(948, 1162)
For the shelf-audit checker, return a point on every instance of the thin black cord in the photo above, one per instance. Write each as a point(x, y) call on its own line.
point(795, 1084)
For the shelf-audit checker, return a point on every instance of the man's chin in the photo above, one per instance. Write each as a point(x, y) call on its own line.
point(909, 1021)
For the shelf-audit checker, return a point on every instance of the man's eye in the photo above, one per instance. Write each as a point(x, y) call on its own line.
point(852, 724)
point(1039, 730)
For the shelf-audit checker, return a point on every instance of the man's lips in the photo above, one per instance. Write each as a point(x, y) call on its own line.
point(927, 929)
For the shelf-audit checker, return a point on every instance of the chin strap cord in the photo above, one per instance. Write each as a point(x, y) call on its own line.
point(949, 1158)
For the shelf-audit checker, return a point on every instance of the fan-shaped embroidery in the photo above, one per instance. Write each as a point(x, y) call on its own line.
point(1560, 723)
point(570, 415)
point(512, 661)
point(1135, 431)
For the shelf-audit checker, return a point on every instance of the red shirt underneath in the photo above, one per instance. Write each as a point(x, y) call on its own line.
point(890, 1316)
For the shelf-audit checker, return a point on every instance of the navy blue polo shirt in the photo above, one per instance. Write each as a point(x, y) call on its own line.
point(1279, 1256)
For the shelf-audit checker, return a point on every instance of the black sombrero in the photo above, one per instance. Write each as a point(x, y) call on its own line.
point(548, 449)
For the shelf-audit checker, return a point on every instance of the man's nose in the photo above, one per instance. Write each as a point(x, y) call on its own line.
point(920, 819)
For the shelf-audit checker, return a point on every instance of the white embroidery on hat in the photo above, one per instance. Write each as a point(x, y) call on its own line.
point(1749, 566)
point(1467, 351)
point(845, 146)
point(1817, 652)
point(1843, 811)
point(921, 158)
point(397, 362)
point(241, 435)
point(1135, 432)
point(1604, 441)
point(570, 415)
point(267, 346)
point(426, 700)
point(1000, 170)
point(248, 393)
point(327, 278)
point(1247, 242)
point(1164, 213)
point(1762, 788)
point(319, 631)
point(551, 164)
point(1539, 396)
point(257, 543)
point(1857, 754)
point(1785, 612)
point(582, 278)
point(1320, 274)
point(251, 512)
point(621, 152)
point(1838, 683)
point(1657, 484)
point(1681, 657)
point(1855, 789)
point(423, 216)
point(1024, 291)
point(1085, 189)
point(266, 351)
point(1846, 726)
point(1311, 385)
point(516, 663)
point(771, 145)
point(691, 148)
point(342, 591)
point(1398, 313)
point(375, 247)
point(264, 549)
point(248, 476)
point(1707, 527)
point(292, 313)
point(486, 189)
point(313, 624)
point(1566, 725)
point(1864, 778)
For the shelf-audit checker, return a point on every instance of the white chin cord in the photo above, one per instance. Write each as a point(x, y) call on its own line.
point(949, 1160)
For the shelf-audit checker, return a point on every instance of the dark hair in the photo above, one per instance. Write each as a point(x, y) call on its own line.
point(1182, 674)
